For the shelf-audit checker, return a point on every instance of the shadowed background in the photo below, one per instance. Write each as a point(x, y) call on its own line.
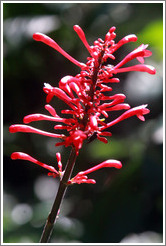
point(125, 205)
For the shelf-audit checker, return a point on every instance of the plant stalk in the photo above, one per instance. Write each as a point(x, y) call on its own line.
point(48, 228)
point(69, 167)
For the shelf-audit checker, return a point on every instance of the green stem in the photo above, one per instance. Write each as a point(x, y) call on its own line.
point(58, 200)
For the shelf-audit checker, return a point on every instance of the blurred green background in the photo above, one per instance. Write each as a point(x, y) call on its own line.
point(125, 205)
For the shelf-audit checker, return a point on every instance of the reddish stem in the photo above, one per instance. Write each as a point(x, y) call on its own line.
point(69, 167)
point(47, 231)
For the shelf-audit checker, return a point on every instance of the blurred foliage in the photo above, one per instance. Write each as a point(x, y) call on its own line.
point(153, 35)
point(125, 204)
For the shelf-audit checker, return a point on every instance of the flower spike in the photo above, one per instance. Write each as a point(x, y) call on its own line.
point(89, 99)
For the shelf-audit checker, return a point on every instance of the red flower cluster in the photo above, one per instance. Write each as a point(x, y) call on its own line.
point(85, 96)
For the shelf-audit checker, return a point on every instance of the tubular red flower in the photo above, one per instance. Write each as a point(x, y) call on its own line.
point(55, 91)
point(138, 111)
point(76, 138)
point(30, 129)
point(104, 140)
point(105, 133)
point(51, 110)
point(110, 35)
point(119, 106)
point(37, 117)
point(139, 52)
point(81, 35)
point(108, 80)
point(108, 163)
point(23, 156)
point(125, 40)
point(104, 88)
point(140, 68)
point(117, 98)
point(47, 40)
point(64, 85)
point(82, 178)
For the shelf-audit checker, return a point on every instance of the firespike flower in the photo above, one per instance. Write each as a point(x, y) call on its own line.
point(23, 156)
point(82, 178)
point(85, 96)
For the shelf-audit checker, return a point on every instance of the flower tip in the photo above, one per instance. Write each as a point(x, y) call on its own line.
point(141, 117)
point(37, 36)
point(145, 109)
point(112, 29)
point(119, 165)
point(26, 120)
point(112, 163)
point(58, 157)
point(20, 155)
point(14, 156)
point(149, 69)
point(131, 37)
point(81, 35)
point(134, 37)
point(76, 27)
point(90, 181)
point(12, 129)
point(153, 70)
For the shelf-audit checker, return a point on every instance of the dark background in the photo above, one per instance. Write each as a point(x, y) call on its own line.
point(125, 205)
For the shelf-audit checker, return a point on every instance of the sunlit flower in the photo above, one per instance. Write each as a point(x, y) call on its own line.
point(82, 178)
point(84, 95)
point(23, 156)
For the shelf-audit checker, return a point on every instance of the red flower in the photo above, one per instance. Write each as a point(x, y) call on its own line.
point(85, 96)
point(82, 178)
point(76, 138)
point(23, 156)
point(53, 172)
